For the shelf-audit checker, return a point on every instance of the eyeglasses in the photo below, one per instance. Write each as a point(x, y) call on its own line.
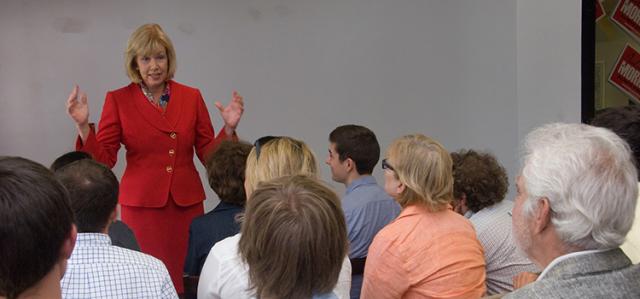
point(260, 142)
point(385, 165)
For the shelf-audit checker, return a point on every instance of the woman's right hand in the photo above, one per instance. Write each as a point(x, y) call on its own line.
point(78, 110)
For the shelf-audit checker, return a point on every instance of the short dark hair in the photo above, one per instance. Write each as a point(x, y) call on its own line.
point(625, 122)
point(35, 221)
point(93, 193)
point(293, 238)
point(479, 177)
point(357, 143)
point(226, 171)
point(68, 158)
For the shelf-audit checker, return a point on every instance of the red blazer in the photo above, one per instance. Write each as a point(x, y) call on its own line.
point(159, 147)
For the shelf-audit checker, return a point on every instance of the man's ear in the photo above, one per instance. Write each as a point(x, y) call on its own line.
point(542, 215)
point(350, 164)
point(463, 201)
point(66, 250)
point(460, 204)
point(112, 219)
point(69, 243)
point(114, 214)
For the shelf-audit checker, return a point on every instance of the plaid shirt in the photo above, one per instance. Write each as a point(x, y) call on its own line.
point(504, 261)
point(98, 269)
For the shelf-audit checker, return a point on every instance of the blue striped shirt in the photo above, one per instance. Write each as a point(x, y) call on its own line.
point(367, 209)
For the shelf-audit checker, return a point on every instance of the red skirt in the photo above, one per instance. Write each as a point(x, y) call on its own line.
point(163, 233)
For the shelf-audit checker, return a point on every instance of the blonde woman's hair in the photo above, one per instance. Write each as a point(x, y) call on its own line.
point(294, 238)
point(147, 40)
point(281, 156)
point(424, 166)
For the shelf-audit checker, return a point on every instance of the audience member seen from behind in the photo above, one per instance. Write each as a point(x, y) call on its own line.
point(276, 156)
point(429, 251)
point(575, 203)
point(479, 187)
point(293, 230)
point(353, 153)
point(225, 169)
point(37, 234)
point(120, 234)
point(68, 158)
point(96, 268)
point(224, 274)
point(625, 121)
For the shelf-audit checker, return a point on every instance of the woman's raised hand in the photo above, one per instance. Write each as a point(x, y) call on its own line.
point(77, 106)
point(78, 110)
point(232, 113)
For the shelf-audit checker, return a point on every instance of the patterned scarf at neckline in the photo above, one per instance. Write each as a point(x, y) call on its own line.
point(164, 98)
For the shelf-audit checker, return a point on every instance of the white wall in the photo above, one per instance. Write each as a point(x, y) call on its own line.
point(474, 74)
point(548, 62)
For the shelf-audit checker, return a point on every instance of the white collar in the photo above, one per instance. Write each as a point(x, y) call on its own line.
point(565, 257)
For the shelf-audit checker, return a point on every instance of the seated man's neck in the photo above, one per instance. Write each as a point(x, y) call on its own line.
point(354, 176)
point(553, 248)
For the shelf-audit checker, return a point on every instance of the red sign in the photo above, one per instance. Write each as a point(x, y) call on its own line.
point(627, 15)
point(599, 10)
point(626, 72)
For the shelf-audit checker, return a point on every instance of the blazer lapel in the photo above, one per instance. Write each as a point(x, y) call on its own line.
point(174, 107)
point(148, 112)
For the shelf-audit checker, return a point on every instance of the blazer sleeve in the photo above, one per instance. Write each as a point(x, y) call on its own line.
point(205, 141)
point(104, 145)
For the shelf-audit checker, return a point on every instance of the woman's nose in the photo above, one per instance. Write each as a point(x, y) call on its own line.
point(153, 64)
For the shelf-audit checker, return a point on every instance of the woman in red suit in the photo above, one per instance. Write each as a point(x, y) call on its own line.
point(160, 122)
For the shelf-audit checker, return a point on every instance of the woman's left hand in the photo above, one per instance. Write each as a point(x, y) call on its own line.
point(232, 113)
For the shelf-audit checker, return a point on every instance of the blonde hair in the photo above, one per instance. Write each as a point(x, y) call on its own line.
point(279, 157)
point(294, 238)
point(147, 40)
point(424, 166)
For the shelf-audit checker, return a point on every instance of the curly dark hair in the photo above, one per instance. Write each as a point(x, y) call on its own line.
point(225, 171)
point(480, 177)
point(625, 122)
